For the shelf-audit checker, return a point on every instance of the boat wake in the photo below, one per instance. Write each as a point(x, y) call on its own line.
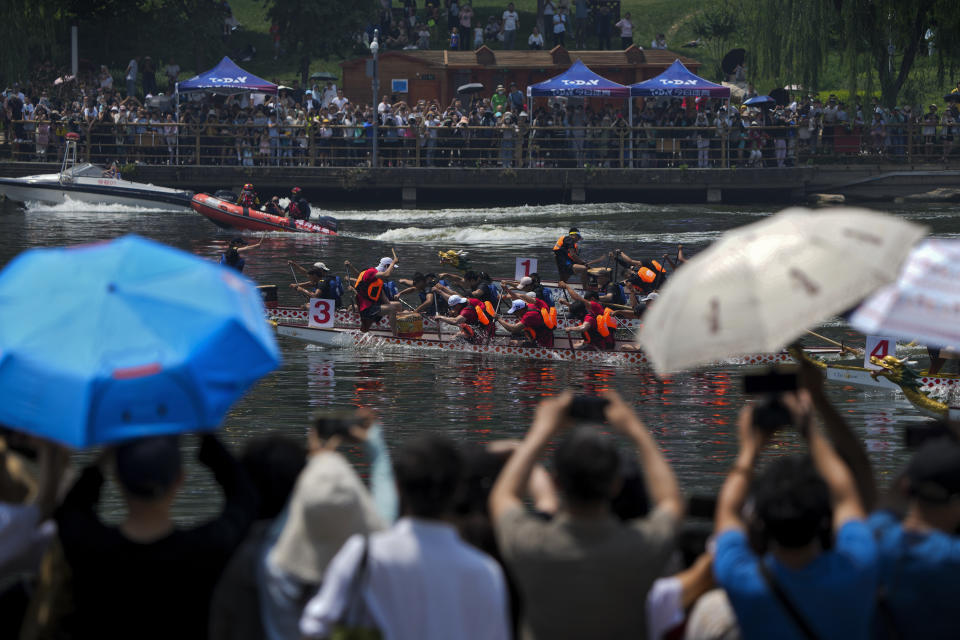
point(76, 206)
point(494, 234)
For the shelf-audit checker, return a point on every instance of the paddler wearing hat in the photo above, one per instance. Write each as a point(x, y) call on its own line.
point(372, 300)
point(475, 321)
point(608, 291)
point(566, 252)
point(528, 289)
point(320, 283)
point(532, 329)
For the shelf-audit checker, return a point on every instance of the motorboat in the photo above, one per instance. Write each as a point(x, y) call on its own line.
point(90, 184)
point(222, 210)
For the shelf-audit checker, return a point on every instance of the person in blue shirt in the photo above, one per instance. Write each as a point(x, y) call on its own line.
point(920, 555)
point(831, 590)
point(232, 258)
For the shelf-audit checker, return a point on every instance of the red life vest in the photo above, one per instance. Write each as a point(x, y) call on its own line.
point(373, 289)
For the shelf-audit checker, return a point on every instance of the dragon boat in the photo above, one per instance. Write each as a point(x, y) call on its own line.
point(349, 319)
point(414, 338)
point(929, 393)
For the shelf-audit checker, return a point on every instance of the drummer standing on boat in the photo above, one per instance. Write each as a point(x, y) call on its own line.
point(567, 254)
point(372, 300)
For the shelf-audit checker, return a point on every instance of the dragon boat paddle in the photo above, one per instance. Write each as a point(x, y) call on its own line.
point(859, 352)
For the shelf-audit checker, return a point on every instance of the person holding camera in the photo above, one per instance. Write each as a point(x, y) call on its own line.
point(816, 573)
point(585, 573)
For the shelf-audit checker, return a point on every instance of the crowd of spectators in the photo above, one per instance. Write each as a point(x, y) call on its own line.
point(482, 541)
point(320, 126)
point(457, 25)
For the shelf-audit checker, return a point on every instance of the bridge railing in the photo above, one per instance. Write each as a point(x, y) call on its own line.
point(615, 146)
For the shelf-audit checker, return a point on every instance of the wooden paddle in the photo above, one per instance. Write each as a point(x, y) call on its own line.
point(836, 344)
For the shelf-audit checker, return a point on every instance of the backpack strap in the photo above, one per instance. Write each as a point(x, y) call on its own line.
point(785, 601)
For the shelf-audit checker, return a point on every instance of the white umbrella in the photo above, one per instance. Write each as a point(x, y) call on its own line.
point(760, 286)
point(924, 303)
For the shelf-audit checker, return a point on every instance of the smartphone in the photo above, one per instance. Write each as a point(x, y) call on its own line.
point(771, 381)
point(329, 423)
point(586, 407)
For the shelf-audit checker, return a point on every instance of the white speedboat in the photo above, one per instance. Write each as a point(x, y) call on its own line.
point(90, 184)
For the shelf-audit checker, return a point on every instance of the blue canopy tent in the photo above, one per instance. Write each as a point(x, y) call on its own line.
point(580, 82)
point(678, 82)
point(226, 79)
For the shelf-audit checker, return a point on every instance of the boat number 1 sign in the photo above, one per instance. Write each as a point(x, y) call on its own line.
point(321, 313)
point(878, 347)
point(525, 266)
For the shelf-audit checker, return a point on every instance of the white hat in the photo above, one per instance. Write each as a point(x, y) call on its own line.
point(328, 505)
point(526, 281)
point(320, 265)
point(455, 300)
point(517, 305)
point(384, 264)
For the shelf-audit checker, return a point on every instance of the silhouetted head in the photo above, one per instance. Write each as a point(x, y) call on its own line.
point(428, 472)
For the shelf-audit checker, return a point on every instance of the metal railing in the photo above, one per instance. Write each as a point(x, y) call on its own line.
point(510, 146)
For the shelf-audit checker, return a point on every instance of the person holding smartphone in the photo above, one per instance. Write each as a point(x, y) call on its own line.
point(585, 573)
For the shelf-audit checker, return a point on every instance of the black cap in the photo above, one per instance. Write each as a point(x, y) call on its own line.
point(148, 467)
point(238, 242)
point(934, 472)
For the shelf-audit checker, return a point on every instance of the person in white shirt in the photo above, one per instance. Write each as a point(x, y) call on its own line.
point(535, 41)
point(626, 31)
point(172, 71)
point(559, 28)
point(328, 94)
point(511, 22)
point(339, 101)
point(660, 42)
point(419, 579)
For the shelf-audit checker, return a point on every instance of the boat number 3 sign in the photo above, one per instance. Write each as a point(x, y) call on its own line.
point(525, 266)
point(878, 347)
point(321, 313)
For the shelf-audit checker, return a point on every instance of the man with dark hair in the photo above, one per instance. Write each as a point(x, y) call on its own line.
point(799, 588)
point(920, 555)
point(124, 576)
point(585, 574)
point(419, 579)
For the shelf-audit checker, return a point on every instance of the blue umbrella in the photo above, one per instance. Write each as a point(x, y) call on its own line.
point(759, 100)
point(105, 342)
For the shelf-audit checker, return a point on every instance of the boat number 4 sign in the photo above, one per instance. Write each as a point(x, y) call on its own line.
point(878, 347)
point(525, 266)
point(321, 313)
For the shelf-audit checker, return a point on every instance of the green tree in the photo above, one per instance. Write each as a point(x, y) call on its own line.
point(319, 29)
point(31, 31)
point(793, 39)
point(718, 27)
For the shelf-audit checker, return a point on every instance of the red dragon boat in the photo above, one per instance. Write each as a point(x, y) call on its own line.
point(228, 215)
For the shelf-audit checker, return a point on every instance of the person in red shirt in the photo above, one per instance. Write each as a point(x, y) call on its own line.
point(590, 314)
point(372, 300)
point(469, 316)
point(532, 330)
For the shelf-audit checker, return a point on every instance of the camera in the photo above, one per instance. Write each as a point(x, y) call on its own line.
point(329, 423)
point(769, 412)
point(586, 407)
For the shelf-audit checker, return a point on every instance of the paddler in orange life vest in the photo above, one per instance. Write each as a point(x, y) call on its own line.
point(567, 254)
point(474, 318)
point(535, 328)
point(372, 301)
point(595, 325)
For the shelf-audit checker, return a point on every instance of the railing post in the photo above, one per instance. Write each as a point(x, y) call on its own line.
point(196, 142)
point(87, 149)
point(417, 152)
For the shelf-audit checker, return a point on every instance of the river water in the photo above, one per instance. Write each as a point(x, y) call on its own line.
point(473, 398)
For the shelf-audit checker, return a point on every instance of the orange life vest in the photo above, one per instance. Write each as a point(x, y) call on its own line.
point(373, 289)
point(657, 266)
point(482, 310)
point(647, 275)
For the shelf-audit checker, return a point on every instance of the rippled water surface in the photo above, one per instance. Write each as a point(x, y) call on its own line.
point(473, 398)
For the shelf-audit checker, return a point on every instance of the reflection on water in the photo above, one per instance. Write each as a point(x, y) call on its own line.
point(478, 398)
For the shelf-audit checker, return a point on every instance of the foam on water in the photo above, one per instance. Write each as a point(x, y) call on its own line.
point(76, 206)
point(493, 234)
